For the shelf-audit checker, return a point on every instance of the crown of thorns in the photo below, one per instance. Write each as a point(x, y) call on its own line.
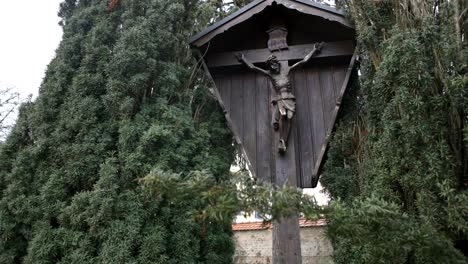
point(271, 59)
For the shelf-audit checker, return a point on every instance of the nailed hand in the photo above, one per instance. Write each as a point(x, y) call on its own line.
point(319, 46)
point(240, 57)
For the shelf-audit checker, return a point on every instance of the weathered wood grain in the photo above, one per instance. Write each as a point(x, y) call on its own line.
point(263, 115)
point(304, 135)
point(339, 72)
point(246, 97)
point(318, 164)
point(286, 235)
point(249, 133)
point(316, 109)
point(237, 103)
point(287, 242)
point(330, 49)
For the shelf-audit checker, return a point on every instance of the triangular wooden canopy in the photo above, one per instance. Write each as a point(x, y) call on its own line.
point(255, 7)
point(246, 96)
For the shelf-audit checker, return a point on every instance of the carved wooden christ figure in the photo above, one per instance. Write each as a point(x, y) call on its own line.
point(279, 72)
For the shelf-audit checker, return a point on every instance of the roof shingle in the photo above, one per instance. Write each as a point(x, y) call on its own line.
point(259, 225)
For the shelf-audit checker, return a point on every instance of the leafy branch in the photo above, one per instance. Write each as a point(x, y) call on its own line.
point(223, 199)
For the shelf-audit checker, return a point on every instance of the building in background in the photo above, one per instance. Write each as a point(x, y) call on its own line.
point(254, 242)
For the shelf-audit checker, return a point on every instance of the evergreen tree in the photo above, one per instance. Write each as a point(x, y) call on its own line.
point(397, 165)
point(122, 97)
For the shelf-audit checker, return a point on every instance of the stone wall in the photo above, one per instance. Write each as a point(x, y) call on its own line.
point(254, 246)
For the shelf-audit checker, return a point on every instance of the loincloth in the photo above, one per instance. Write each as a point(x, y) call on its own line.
point(286, 104)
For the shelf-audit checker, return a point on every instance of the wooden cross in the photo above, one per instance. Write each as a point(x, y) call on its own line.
point(297, 52)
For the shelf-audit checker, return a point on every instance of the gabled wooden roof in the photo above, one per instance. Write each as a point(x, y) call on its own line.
point(304, 6)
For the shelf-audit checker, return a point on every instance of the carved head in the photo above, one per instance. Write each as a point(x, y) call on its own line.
point(273, 64)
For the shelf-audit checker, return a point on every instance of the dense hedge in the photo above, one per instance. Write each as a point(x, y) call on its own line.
point(397, 169)
point(122, 96)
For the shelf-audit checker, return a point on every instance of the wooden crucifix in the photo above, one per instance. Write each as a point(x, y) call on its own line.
point(279, 74)
point(286, 235)
point(280, 69)
point(317, 91)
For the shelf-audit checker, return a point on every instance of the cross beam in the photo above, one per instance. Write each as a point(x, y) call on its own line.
point(298, 52)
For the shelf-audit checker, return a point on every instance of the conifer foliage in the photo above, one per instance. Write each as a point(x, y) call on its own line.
point(117, 101)
point(397, 168)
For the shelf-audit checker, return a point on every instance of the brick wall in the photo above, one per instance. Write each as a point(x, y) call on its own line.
point(254, 246)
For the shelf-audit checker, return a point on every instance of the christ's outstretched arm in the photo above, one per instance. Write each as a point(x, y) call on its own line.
point(317, 49)
point(242, 59)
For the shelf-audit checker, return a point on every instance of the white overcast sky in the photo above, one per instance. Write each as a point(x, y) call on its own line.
point(29, 36)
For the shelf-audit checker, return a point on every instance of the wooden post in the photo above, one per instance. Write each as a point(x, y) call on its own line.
point(286, 236)
point(286, 241)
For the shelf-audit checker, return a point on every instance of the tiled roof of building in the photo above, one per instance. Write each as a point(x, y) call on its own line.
point(259, 225)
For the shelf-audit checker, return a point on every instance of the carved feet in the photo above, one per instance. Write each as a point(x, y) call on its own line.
point(281, 143)
point(275, 125)
point(282, 147)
